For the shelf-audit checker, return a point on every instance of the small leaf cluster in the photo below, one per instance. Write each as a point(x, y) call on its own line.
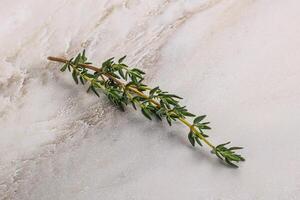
point(123, 85)
point(84, 75)
point(228, 154)
point(197, 130)
point(167, 106)
point(120, 70)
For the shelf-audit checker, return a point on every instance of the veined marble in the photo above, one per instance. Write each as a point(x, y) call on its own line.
point(236, 60)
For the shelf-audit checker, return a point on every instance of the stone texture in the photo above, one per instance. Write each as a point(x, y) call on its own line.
point(236, 60)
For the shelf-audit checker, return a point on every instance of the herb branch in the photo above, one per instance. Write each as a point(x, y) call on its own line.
point(124, 85)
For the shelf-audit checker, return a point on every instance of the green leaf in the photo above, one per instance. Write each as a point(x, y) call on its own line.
point(134, 80)
point(230, 163)
point(64, 67)
point(188, 114)
point(107, 63)
point(191, 138)
point(217, 153)
point(81, 80)
point(146, 113)
point(169, 120)
point(153, 90)
point(121, 59)
point(90, 75)
point(94, 90)
point(173, 95)
point(242, 158)
point(233, 157)
point(204, 135)
point(205, 127)
point(172, 101)
point(88, 89)
point(138, 70)
point(69, 63)
point(199, 119)
point(122, 73)
point(198, 140)
point(77, 59)
point(133, 105)
point(83, 56)
point(235, 148)
point(74, 75)
point(222, 145)
point(158, 116)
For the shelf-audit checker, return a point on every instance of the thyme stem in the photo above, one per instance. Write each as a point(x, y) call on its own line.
point(167, 107)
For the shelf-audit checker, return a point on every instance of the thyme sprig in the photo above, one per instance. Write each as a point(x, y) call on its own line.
point(124, 85)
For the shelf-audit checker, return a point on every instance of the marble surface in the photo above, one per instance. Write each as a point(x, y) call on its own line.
point(236, 60)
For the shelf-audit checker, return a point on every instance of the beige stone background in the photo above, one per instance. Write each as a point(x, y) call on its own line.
point(238, 61)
